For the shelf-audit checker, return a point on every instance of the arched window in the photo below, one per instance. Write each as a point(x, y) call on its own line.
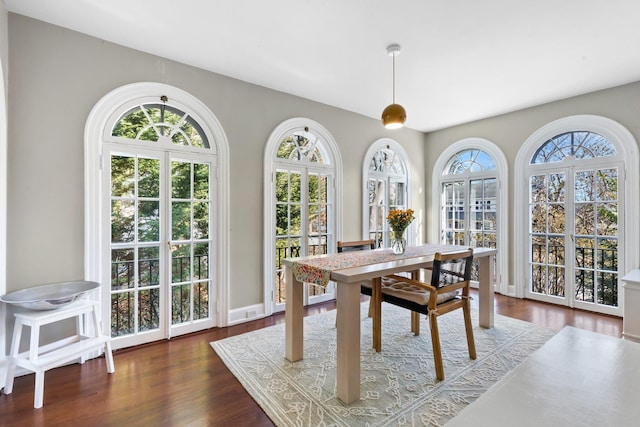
point(386, 181)
point(470, 193)
point(302, 181)
point(156, 214)
point(574, 237)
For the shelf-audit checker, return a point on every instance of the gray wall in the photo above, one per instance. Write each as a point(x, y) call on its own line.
point(58, 75)
point(510, 131)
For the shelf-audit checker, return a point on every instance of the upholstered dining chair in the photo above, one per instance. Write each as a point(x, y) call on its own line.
point(448, 290)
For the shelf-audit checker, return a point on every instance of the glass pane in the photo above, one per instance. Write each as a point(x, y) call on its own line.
point(200, 181)
point(295, 187)
point(149, 266)
point(607, 254)
point(282, 186)
point(149, 178)
point(294, 226)
point(281, 252)
point(180, 180)
point(313, 225)
point(381, 217)
point(122, 269)
point(556, 219)
point(180, 304)
point(201, 300)
point(584, 186)
point(539, 249)
point(585, 219)
point(585, 285)
point(556, 187)
point(607, 219)
point(180, 263)
point(123, 172)
point(539, 279)
point(608, 289)
point(282, 220)
point(538, 189)
point(180, 220)
point(201, 261)
point(132, 122)
point(607, 184)
point(491, 219)
point(556, 281)
point(149, 309)
point(400, 193)
point(201, 220)
point(585, 253)
point(122, 221)
point(556, 250)
point(122, 314)
point(149, 221)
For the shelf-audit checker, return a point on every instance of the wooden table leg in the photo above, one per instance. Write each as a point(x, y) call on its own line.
point(376, 304)
point(293, 317)
point(348, 342)
point(485, 290)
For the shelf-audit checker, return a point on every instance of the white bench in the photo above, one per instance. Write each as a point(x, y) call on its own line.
point(42, 358)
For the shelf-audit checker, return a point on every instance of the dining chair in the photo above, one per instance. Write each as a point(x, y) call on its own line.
point(359, 245)
point(448, 290)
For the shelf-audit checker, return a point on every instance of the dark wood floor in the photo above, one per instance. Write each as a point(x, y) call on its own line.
point(182, 382)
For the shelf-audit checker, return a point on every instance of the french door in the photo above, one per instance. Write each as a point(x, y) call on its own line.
point(303, 224)
point(575, 220)
point(160, 258)
point(469, 215)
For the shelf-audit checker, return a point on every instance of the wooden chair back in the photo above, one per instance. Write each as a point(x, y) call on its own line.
point(357, 245)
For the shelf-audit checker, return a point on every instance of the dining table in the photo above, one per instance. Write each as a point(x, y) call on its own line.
point(348, 270)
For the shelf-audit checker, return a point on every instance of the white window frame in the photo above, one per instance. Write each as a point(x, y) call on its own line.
point(627, 148)
point(93, 143)
point(394, 146)
point(3, 223)
point(502, 169)
point(270, 166)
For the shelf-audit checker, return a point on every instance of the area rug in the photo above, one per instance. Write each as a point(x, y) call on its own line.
point(398, 385)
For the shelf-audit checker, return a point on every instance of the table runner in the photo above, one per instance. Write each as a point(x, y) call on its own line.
point(317, 269)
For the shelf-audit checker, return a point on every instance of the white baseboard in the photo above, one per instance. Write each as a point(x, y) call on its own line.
point(246, 314)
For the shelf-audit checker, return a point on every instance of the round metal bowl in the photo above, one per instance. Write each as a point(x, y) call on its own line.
point(49, 297)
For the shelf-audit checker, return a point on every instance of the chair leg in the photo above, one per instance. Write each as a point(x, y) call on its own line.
point(415, 323)
point(435, 342)
point(466, 309)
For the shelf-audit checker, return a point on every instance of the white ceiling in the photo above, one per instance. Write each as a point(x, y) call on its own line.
point(461, 60)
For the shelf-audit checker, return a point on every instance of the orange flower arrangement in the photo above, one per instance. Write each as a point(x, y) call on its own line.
point(399, 220)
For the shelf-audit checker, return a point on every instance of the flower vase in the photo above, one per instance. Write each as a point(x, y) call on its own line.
point(398, 243)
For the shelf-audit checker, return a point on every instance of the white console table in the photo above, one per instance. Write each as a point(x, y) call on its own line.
point(42, 358)
point(631, 308)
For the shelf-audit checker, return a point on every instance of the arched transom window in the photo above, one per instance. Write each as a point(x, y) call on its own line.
point(578, 144)
point(161, 123)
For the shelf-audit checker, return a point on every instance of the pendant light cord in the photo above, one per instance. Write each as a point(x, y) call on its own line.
point(394, 77)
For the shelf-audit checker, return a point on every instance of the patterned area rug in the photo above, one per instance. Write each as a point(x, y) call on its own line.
point(398, 385)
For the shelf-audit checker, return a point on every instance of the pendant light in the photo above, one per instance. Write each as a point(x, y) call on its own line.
point(394, 116)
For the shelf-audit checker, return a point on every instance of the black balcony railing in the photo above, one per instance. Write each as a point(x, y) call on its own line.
point(292, 252)
point(123, 303)
point(592, 268)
